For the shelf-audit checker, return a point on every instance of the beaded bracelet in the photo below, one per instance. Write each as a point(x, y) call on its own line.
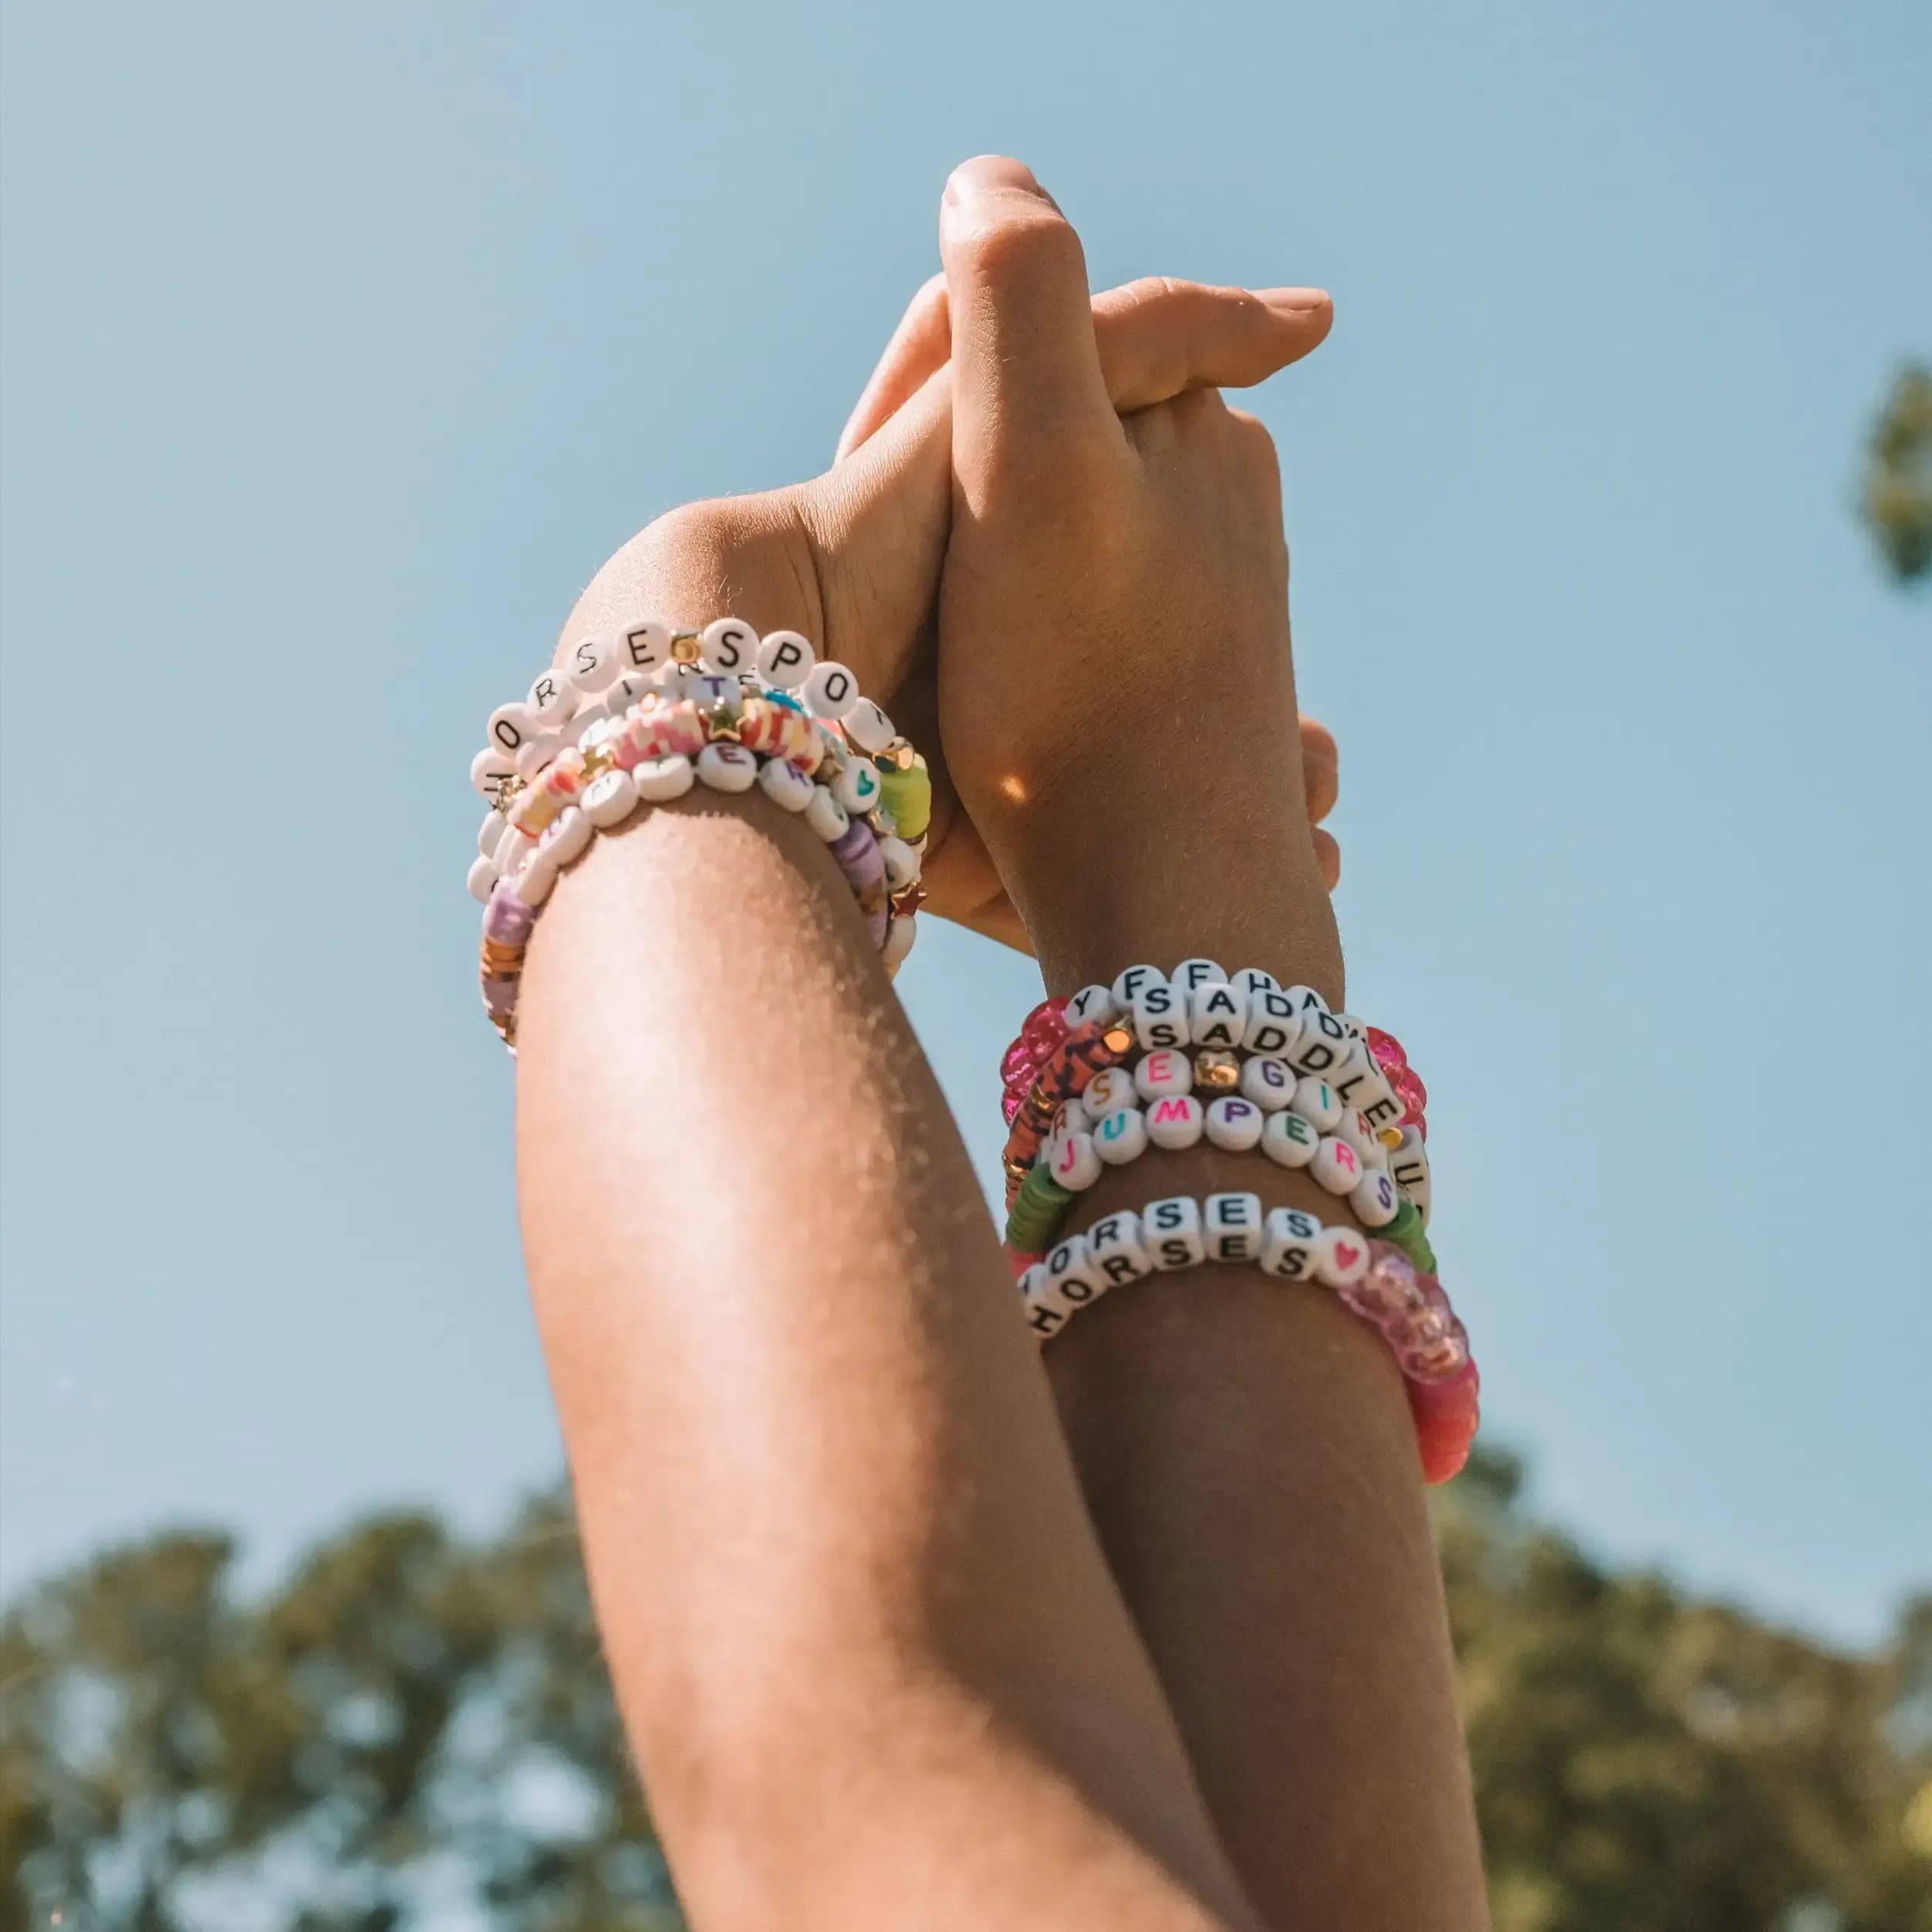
point(1378, 1283)
point(647, 735)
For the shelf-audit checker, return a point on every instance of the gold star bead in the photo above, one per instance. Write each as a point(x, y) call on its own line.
point(1213, 1069)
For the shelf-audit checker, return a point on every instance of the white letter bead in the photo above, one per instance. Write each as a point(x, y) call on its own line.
point(482, 879)
point(727, 767)
point(1340, 1256)
point(491, 836)
point(1233, 1124)
point(1040, 1303)
point(825, 815)
point(1116, 1248)
point(1336, 1165)
point(1409, 1168)
point(1377, 1100)
point(1159, 1018)
point(786, 785)
point(590, 663)
point(1121, 1136)
point(900, 934)
point(1289, 1245)
point(1160, 1074)
point(831, 691)
point(868, 727)
point(643, 646)
point(1071, 1274)
point(1268, 1083)
point(902, 863)
point(1375, 1200)
point(661, 779)
point(1315, 1100)
point(1091, 1003)
point(1289, 1140)
point(623, 691)
point(857, 787)
point(536, 755)
point(1176, 1121)
point(1307, 999)
point(490, 768)
point(610, 798)
point(1217, 1016)
point(1347, 1074)
point(786, 660)
point(1356, 1129)
point(1231, 1226)
point(1251, 979)
point(1324, 1043)
point(729, 645)
point(1128, 986)
point(1273, 1025)
point(1110, 1089)
point(1192, 975)
point(1076, 1166)
point(1071, 1117)
point(551, 699)
point(1171, 1230)
point(510, 727)
point(532, 884)
point(567, 837)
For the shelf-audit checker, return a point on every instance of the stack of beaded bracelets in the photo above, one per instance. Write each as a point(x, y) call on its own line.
point(1097, 1080)
point(639, 717)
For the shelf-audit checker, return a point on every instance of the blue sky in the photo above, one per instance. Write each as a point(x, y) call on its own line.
point(342, 344)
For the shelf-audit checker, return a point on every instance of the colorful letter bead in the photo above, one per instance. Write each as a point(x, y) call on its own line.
point(1315, 1100)
point(1231, 1226)
point(1340, 1256)
point(727, 767)
point(1110, 1089)
point(1233, 1123)
point(1336, 1165)
point(660, 780)
point(1374, 1199)
point(1288, 1140)
point(1121, 1136)
point(826, 816)
point(1268, 1083)
point(786, 786)
point(1176, 1122)
point(1171, 1230)
point(1075, 1164)
point(1162, 1074)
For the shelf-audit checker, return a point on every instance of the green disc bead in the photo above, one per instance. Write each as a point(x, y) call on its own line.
point(1038, 1210)
point(908, 796)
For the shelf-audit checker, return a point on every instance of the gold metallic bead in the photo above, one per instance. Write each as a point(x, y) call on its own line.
point(597, 760)
point(1389, 1137)
point(686, 647)
point(1217, 1069)
point(1118, 1041)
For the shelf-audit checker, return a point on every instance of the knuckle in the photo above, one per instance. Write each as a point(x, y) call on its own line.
point(1021, 242)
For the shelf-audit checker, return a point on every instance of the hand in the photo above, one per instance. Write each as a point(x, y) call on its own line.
point(851, 559)
point(1117, 699)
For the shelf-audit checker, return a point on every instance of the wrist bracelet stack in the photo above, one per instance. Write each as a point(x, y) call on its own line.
point(1156, 1061)
point(641, 717)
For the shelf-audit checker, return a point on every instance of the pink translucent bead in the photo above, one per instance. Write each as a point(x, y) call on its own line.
point(1044, 1031)
point(1414, 1096)
point(1017, 1065)
point(1385, 1048)
point(1011, 1102)
point(1385, 1293)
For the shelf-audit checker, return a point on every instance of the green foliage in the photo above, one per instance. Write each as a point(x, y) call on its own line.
point(413, 1723)
point(1897, 496)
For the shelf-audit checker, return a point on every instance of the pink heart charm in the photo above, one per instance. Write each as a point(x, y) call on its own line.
point(1346, 1257)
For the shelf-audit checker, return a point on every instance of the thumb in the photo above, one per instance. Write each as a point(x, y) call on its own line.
point(1025, 365)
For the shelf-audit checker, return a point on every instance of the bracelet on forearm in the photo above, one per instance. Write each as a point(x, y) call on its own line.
point(640, 718)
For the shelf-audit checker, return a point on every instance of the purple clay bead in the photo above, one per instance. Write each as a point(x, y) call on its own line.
point(506, 920)
point(875, 924)
point(499, 997)
point(857, 853)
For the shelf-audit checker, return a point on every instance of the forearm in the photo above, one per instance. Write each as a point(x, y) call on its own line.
point(863, 1639)
point(1248, 1458)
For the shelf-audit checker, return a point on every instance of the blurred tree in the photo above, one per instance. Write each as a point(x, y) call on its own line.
point(415, 1724)
point(1897, 498)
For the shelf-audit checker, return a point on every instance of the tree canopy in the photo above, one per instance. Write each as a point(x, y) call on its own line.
point(415, 1723)
point(1897, 496)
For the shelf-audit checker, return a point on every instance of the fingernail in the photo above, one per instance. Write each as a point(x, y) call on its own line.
point(1294, 301)
point(993, 173)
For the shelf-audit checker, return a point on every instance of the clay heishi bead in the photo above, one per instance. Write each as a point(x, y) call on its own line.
point(1129, 983)
point(1162, 1073)
point(1192, 975)
point(1336, 1165)
point(1340, 1256)
point(551, 699)
point(642, 648)
point(729, 645)
point(1231, 1226)
point(590, 663)
point(1274, 1025)
point(507, 921)
point(1289, 1242)
point(1071, 1272)
point(1289, 1140)
point(786, 785)
point(1117, 1248)
point(1217, 1016)
point(1172, 1232)
point(610, 798)
point(1314, 1099)
point(831, 691)
point(1176, 1122)
point(1160, 1017)
point(1121, 1136)
point(659, 780)
point(1092, 1002)
point(866, 727)
point(1268, 1083)
point(826, 816)
point(1233, 1124)
point(1375, 1200)
point(1252, 979)
point(786, 660)
point(1110, 1089)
